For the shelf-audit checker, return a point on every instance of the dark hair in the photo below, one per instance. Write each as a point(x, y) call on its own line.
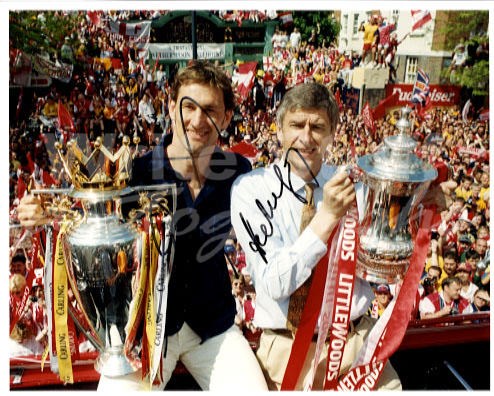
point(449, 280)
point(19, 257)
point(450, 254)
point(309, 96)
point(472, 254)
point(202, 72)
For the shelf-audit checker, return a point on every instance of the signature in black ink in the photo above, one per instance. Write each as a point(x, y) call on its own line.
point(256, 243)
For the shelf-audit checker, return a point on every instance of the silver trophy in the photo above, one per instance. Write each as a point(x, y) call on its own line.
point(102, 250)
point(396, 180)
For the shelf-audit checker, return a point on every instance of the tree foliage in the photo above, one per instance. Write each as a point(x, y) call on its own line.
point(471, 26)
point(31, 30)
point(329, 28)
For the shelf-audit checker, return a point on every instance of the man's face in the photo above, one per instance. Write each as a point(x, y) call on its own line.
point(450, 266)
point(453, 290)
point(197, 125)
point(481, 299)
point(481, 246)
point(484, 180)
point(18, 267)
point(308, 131)
point(383, 298)
point(463, 274)
point(237, 286)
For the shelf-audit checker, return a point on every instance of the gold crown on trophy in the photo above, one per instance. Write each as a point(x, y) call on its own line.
point(101, 170)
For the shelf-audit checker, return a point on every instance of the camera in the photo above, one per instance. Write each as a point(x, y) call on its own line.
point(428, 282)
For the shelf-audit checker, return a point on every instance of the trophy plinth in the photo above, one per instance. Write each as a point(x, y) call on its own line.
point(396, 180)
point(113, 363)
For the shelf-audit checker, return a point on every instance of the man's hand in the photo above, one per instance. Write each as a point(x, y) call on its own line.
point(30, 212)
point(435, 196)
point(338, 195)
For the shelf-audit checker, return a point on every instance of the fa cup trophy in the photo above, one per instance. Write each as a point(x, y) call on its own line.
point(116, 269)
point(395, 180)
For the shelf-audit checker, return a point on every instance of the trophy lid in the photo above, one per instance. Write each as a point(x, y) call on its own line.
point(396, 159)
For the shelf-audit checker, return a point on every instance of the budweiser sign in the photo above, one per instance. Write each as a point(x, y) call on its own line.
point(440, 95)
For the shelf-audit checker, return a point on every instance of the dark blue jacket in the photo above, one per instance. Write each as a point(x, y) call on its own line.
point(200, 290)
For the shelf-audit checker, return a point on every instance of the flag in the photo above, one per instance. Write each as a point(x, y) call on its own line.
point(368, 118)
point(267, 62)
point(64, 117)
point(421, 87)
point(156, 63)
point(245, 78)
point(466, 110)
point(286, 18)
point(484, 115)
point(94, 17)
point(420, 18)
point(337, 97)
point(380, 110)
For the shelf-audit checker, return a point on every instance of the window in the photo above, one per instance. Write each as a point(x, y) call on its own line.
point(344, 27)
point(411, 70)
point(396, 15)
point(355, 24)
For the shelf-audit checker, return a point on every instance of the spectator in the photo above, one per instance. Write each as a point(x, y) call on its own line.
point(464, 274)
point(450, 266)
point(18, 265)
point(430, 282)
point(481, 301)
point(381, 302)
point(371, 37)
point(295, 38)
point(239, 294)
point(444, 303)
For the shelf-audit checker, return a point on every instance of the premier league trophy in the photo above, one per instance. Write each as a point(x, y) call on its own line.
point(396, 181)
point(116, 270)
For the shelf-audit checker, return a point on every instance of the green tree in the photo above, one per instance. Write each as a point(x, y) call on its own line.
point(329, 28)
point(472, 27)
point(31, 30)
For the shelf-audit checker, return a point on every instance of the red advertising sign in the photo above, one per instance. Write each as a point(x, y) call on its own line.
point(440, 95)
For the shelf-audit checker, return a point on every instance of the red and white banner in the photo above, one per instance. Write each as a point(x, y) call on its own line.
point(473, 151)
point(420, 18)
point(440, 95)
point(138, 33)
point(245, 78)
point(286, 17)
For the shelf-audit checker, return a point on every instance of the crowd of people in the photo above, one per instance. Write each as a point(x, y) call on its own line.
point(134, 101)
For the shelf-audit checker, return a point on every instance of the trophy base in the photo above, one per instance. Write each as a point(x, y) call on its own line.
point(380, 270)
point(113, 363)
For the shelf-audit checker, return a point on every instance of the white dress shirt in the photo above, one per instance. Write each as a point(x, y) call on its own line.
point(290, 256)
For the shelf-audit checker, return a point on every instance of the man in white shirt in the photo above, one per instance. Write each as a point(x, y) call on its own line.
point(295, 38)
point(266, 206)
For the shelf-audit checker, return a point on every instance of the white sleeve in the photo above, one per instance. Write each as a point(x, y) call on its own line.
point(426, 306)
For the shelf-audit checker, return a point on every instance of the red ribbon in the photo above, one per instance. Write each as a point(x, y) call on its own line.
point(308, 321)
point(366, 376)
point(343, 294)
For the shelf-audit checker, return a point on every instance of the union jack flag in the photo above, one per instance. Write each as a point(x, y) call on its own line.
point(421, 87)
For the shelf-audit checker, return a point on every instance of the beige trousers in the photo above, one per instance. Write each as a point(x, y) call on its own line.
point(274, 352)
